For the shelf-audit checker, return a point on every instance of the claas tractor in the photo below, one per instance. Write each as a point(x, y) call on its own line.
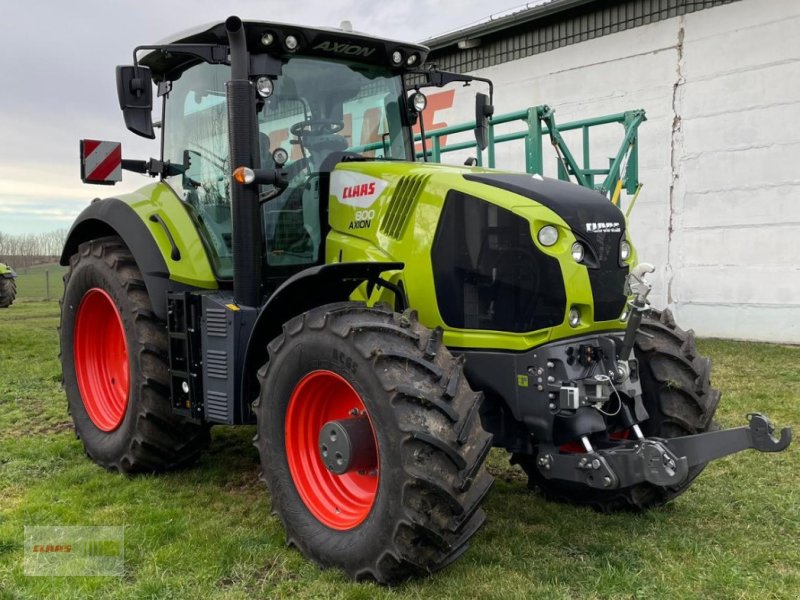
point(8, 285)
point(383, 321)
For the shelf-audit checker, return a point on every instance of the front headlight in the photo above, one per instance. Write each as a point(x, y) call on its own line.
point(574, 317)
point(548, 235)
point(624, 250)
point(578, 252)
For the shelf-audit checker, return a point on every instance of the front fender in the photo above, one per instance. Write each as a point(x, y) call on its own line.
point(303, 291)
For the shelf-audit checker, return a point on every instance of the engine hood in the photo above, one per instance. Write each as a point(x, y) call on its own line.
point(585, 211)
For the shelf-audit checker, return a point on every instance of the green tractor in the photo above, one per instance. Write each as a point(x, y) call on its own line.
point(383, 321)
point(8, 285)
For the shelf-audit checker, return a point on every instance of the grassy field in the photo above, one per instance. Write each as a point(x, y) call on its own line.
point(32, 282)
point(207, 532)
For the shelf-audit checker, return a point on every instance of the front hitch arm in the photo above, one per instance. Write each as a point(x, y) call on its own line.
point(661, 462)
point(705, 447)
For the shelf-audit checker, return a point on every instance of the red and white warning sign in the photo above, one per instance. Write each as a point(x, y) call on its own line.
point(101, 162)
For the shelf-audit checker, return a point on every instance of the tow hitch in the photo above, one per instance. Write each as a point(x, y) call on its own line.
point(662, 462)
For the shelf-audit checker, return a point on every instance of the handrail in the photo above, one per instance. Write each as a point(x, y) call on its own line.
point(539, 121)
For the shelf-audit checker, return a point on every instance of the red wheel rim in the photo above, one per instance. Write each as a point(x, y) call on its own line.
point(101, 360)
point(339, 501)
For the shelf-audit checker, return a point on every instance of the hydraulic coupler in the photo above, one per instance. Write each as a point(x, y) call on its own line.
point(662, 462)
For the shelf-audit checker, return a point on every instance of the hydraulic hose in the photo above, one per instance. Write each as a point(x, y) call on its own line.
point(639, 287)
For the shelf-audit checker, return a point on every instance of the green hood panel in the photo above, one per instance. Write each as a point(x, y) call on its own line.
point(388, 211)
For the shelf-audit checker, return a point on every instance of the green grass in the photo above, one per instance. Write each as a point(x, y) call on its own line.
point(32, 282)
point(207, 532)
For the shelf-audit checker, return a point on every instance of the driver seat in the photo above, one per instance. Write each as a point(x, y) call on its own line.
point(325, 144)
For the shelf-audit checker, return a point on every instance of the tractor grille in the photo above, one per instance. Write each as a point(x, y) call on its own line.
point(402, 205)
point(488, 273)
point(579, 207)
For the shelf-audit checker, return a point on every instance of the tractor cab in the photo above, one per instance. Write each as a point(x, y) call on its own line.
point(322, 96)
point(314, 104)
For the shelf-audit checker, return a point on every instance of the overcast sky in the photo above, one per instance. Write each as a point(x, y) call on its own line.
point(57, 60)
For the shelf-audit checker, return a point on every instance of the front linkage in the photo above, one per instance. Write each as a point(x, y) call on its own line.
point(659, 461)
point(662, 462)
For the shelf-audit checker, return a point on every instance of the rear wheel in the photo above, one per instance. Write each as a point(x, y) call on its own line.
point(114, 360)
point(371, 442)
point(8, 291)
point(677, 394)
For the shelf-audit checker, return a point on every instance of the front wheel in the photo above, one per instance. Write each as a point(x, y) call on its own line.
point(371, 442)
point(677, 393)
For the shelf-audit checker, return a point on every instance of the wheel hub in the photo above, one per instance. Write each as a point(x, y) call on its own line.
point(347, 445)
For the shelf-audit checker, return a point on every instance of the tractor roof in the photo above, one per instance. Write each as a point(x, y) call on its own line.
point(312, 41)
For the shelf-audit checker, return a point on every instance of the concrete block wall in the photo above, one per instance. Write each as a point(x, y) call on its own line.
point(719, 154)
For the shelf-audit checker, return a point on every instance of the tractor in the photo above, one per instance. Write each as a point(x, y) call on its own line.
point(8, 285)
point(382, 321)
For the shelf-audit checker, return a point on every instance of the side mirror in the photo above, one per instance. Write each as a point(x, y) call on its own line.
point(135, 92)
point(483, 110)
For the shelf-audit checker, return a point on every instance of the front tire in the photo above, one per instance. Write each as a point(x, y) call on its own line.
point(415, 508)
point(114, 360)
point(677, 393)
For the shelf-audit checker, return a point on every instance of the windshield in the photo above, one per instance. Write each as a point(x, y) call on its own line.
point(321, 106)
point(317, 107)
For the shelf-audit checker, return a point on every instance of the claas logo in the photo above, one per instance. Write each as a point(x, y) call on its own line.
point(356, 191)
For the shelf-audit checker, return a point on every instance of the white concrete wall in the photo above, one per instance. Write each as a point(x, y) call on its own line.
point(719, 154)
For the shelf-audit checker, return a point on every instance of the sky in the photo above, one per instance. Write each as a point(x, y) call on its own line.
point(57, 61)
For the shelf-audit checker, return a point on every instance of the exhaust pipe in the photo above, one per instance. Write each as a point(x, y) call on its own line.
point(242, 138)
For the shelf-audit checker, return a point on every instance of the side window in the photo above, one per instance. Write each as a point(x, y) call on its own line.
point(196, 136)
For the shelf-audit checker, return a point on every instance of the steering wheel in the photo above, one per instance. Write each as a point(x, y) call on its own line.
point(314, 127)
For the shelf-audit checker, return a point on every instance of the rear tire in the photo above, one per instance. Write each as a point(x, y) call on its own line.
point(430, 480)
point(8, 291)
point(677, 393)
point(125, 419)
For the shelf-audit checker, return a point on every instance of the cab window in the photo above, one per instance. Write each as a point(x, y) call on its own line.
point(196, 137)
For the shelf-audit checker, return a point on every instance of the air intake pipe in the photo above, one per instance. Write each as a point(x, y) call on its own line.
point(242, 137)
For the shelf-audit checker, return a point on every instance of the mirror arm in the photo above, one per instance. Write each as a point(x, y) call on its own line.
point(153, 167)
point(439, 78)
